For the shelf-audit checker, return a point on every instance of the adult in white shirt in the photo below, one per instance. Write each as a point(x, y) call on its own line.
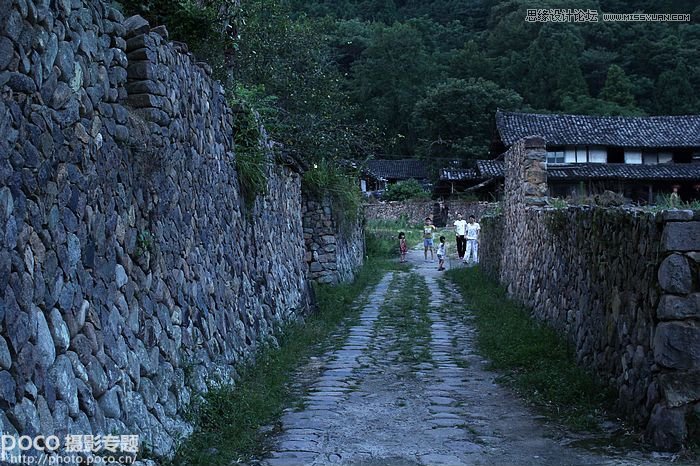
point(460, 238)
point(473, 230)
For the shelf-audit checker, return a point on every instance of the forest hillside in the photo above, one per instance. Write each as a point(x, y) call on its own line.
point(423, 78)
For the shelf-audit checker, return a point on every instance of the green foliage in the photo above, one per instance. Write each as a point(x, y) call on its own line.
point(395, 55)
point(291, 60)
point(382, 237)
point(406, 312)
point(327, 178)
point(201, 24)
point(618, 87)
point(553, 68)
point(494, 209)
point(405, 190)
point(144, 243)
point(228, 418)
point(674, 93)
point(585, 105)
point(251, 159)
point(557, 203)
point(668, 202)
point(353, 78)
point(532, 357)
point(456, 117)
point(390, 74)
point(251, 167)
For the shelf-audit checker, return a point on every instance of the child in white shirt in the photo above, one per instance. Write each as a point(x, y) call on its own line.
point(441, 253)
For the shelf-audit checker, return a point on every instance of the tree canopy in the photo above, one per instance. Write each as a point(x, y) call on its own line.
point(423, 78)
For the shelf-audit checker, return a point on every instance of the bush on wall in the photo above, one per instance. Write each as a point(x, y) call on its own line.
point(326, 177)
point(405, 190)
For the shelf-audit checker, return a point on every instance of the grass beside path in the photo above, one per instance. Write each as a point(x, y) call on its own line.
point(228, 419)
point(535, 361)
point(382, 237)
point(407, 313)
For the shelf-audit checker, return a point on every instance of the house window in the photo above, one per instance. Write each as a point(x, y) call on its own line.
point(581, 154)
point(680, 156)
point(654, 157)
point(616, 155)
point(597, 154)
point(633, 156)
point(555, 155)
point(650, 158)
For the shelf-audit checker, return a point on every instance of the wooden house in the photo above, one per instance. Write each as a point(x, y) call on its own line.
point(638, 157)
point(378, 174)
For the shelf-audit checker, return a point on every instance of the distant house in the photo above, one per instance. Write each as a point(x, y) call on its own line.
point(638, 157)
point(452, 181)
point(378, 174)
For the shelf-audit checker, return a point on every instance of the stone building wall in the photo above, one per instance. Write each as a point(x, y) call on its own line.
point(621, 284)
point(131, 272)
point(334, 250)
point(414, 212)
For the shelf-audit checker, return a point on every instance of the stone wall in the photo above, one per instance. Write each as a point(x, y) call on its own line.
point(620, 284)
point(130, 271)
point(676, 343)
point(334, 249)
point(414, 212)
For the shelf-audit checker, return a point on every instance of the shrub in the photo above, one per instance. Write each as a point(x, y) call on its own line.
point(405, 190)
point(251, 159)
point(327, 178)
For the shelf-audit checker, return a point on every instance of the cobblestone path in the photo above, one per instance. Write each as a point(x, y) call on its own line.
point(385, 399)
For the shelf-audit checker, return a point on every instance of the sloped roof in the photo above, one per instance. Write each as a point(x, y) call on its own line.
point(458, 174)
point(490, 168)
point(561, 130)
point(602, 171)
point(622, 171)
point(398, 169)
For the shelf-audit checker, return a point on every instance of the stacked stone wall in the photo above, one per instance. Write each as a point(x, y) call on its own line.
point(414, 212)
point(335, 246)
point(131, 272)
point(620, 284)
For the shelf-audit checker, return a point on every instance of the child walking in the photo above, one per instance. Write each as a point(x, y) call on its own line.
point(402, 246)
point(441, 253)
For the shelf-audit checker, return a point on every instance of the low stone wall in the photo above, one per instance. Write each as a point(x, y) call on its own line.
point(414, 212)
point(334, 250)
point(620, 284)
point(131, 273)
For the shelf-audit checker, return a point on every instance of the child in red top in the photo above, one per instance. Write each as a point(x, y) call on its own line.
point(402, 246)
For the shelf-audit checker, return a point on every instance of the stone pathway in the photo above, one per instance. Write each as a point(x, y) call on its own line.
point(369, 407)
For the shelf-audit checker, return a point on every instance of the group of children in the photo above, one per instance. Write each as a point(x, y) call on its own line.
point(466, 236)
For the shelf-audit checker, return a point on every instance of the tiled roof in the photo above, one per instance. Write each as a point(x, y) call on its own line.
point(602, 171)
point(398, 169)
point(490, 168)
point(458, 174)
point(560, 130)
point(625, 171)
